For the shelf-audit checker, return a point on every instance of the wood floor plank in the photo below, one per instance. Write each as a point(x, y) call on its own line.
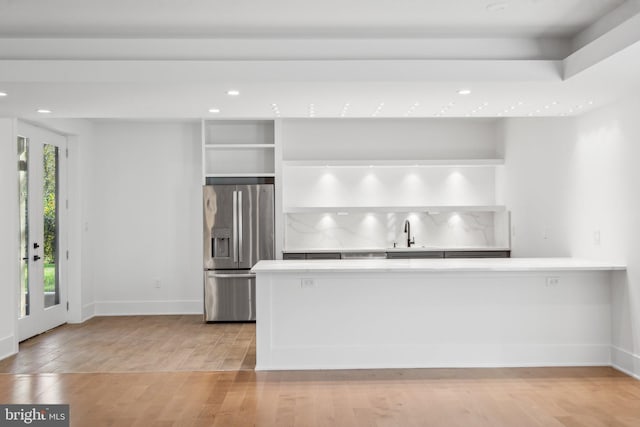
point(535, 397)
point(137, 344)
point(161, 371)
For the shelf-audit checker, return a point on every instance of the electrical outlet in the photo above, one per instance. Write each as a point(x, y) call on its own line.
point(157, 284)
point(553, 282)
point(596, 237)
point(307, 283)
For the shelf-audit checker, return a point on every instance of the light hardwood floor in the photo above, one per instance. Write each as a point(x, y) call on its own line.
point(542, 397)
point(137, 344)
point(161, 382)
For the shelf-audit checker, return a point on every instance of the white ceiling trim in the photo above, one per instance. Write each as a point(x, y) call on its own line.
point(280, 71)
point(618, 39)
point(283, 49)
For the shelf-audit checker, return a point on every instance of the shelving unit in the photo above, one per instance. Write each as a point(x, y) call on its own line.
point(396, 209)
point(237, 148)
point(395, 163)
point(410, 185)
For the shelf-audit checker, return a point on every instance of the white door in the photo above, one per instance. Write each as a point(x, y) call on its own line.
point(41, 171)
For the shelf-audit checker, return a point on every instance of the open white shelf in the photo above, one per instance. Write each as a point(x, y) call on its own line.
point(394, 163)
point(238, 146)
point(239, 175)
point(432, 209)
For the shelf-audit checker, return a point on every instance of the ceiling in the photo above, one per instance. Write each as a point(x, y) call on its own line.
point(300, 17)
point(297, 58)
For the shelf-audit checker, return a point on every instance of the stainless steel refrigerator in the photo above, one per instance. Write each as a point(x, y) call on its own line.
point(238, 232)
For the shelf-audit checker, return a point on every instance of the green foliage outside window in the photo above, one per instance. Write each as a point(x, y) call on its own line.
point(50, 202)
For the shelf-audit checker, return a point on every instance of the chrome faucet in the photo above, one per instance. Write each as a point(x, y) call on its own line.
point(407, 229)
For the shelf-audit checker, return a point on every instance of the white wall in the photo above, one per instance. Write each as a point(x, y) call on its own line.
point(353, 139)
point(575, 180)
point(606, 199)
point(9, 247)
point(144, 221)
point(537, 159)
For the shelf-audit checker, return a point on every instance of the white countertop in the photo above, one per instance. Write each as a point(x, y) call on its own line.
point(397, 249)
point(434, 265)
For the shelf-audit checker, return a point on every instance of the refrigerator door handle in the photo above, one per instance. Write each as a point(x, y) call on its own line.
point(235, 226)
point(232, 276)
point(240, 219)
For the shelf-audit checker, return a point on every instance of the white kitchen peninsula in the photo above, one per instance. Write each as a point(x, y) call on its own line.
point(415, 313)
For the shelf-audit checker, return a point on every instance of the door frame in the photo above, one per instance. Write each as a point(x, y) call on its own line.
point(23, 129)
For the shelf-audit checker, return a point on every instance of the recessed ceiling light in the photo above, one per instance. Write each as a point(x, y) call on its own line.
point(44, 111)
point(3, 94)
point(214, 110)
point(464, 92)
point(233, 92)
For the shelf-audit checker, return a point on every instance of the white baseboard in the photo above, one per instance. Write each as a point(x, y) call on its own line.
point(132, 308)
point(625, 361)
point(8, 347)
point(88, 311)
point(440, 355)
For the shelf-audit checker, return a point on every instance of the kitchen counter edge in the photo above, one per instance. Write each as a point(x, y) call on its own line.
point(436, 265)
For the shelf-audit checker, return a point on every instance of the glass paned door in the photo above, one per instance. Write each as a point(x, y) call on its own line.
point(42, 290)
point(23, 180)
point(50, 201)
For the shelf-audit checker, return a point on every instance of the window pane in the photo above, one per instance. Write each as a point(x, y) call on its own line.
point(50, 203)
point(23, 193)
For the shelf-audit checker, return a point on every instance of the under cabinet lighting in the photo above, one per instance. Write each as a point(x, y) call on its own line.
point(497, 6)
point(214, 110)
point(44, 111)
point(233, 92)
point(375, 113)
point(344, 110)
point(343, 213)
point(3, 94)
point(464, 92)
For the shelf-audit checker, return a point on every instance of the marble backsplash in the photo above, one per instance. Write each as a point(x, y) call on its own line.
point(381, 230)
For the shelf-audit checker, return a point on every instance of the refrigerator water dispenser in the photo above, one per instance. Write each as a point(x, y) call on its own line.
point(221, 242)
